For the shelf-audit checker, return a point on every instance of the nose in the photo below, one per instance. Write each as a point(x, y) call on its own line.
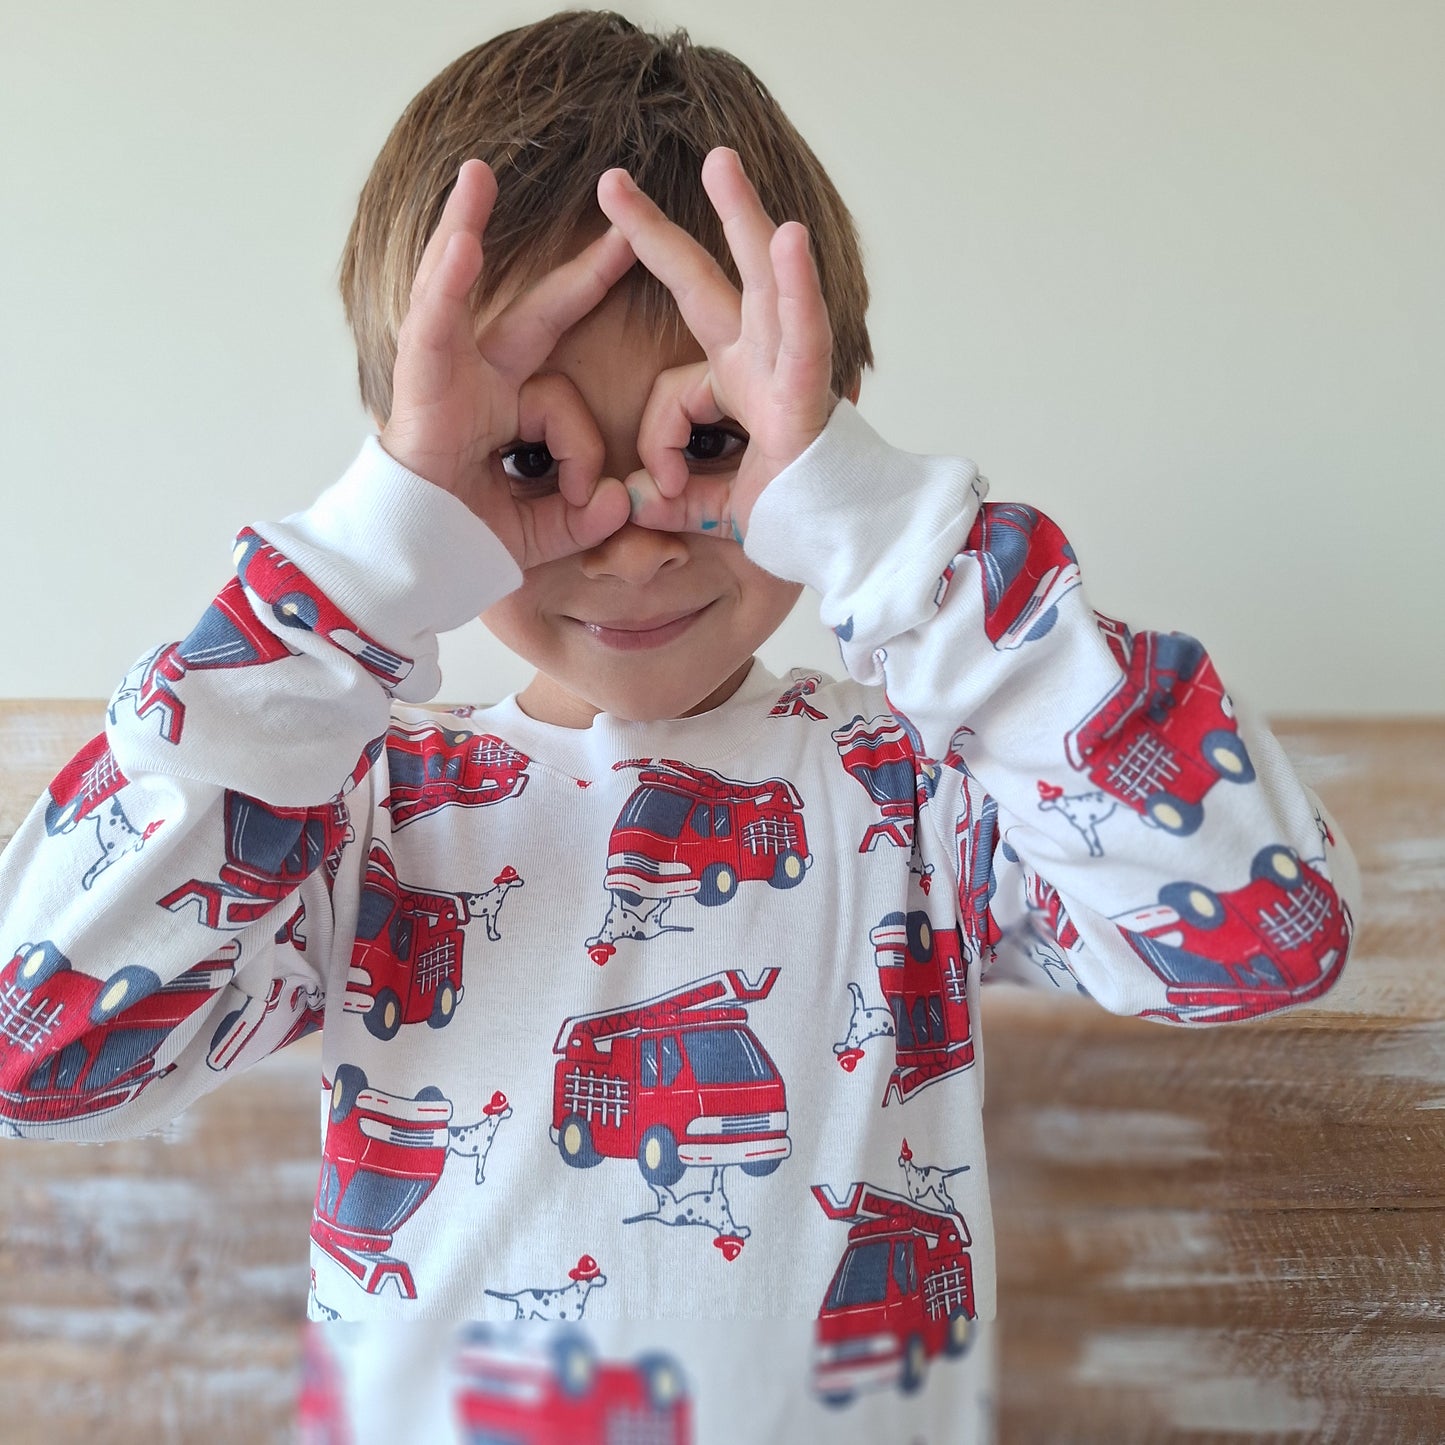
point(634, 554)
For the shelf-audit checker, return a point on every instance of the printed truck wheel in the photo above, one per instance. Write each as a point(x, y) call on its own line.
point(1277, 863)
point(1194, 903)
point(662, 1379)
point(576, 1363)
point(296, 609)
point(126, 986)
point(444, 1007)
point(1225, 753)
point(960, 1335)
point(1173, 814)
point(920, 935)
point(761, 1168)
point(384, 1017)
point(657, 1157)
point(42, 962)
point(574, 1143)
point(915, 1363)
point(349, 1083)
point(789, 870)
point(836, 1399)
point(718, 884)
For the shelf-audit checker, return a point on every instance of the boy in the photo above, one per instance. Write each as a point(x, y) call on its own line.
point(649, 994)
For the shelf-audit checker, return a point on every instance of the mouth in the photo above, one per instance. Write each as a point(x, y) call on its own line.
point(635, 634)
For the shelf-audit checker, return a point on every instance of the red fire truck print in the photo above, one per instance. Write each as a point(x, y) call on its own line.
point(1042, 899)
point(563, 1302)
point(688, 832)
point(270, 852)
point(296, 602)
point(976, 838)
point(879, 755)
point(1164, 735)
point(406, 961)
point(382, 1157)
point(305, 1006)
point(78, 1046)
point(1281, 939)
point(86, 788)
point(923, 976)
point(433, 767)
point(321, 1414)
point(677, 1081)
point(1027, 567)
point(901, 1296)
point(228, 635)
point(526, 1390)
point(794, 701)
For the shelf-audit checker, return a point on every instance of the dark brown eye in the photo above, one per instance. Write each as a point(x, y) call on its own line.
point(710, 443)
point(531, 460)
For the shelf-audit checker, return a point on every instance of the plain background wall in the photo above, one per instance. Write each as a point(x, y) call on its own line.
point(1171, 271)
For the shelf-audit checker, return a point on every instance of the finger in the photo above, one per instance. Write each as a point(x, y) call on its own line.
point(749, 231)
point(681, 398)
point(705, 507)
point(524, 334)
point(804, 365)
point(468, 208)
point(709, 304)
point(550, 409)
point(437, 328)
point(555, 528)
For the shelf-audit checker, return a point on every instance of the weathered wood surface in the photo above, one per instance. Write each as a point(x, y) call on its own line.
point(1224, 1235)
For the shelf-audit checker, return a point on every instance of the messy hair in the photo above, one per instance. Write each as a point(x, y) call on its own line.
point(550, 106)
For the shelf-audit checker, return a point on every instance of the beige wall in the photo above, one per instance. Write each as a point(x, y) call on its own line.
point(1169, 270)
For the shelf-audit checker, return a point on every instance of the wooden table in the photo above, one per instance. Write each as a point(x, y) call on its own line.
point(1224, 1235)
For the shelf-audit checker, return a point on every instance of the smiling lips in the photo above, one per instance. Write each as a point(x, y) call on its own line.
point(646, 632)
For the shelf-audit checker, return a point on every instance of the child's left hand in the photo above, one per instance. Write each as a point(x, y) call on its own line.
point(769, 351)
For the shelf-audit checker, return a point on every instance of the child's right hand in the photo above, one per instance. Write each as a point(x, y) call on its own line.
point(459, 393)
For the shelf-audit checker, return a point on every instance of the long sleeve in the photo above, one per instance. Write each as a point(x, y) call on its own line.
point(166, 907)
point(1115, 815)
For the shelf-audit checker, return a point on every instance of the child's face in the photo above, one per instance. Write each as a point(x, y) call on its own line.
point(577, 619)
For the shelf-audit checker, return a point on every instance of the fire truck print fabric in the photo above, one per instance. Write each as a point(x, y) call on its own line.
point(759, 1120)
point(689, 832)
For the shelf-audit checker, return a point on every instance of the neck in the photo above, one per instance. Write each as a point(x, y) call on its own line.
point(546, 700)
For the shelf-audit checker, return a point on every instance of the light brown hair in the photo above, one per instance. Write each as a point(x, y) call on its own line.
point(550, 106)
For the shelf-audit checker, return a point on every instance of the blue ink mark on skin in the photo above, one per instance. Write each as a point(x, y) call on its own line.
point(737, 531)
point(634, 498)
point(708, 526)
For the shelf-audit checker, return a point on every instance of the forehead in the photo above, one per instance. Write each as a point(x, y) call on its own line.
point(615, 333)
